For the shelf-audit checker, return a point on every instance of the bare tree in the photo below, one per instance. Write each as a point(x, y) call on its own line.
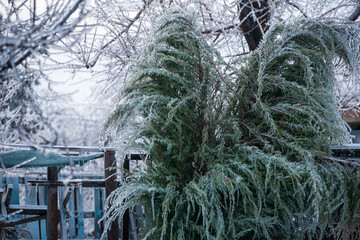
point(121, 28)
point(28, 28)
point(234, 27)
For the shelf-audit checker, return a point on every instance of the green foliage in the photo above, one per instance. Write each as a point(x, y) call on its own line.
point(288, 83)
point(239, 155)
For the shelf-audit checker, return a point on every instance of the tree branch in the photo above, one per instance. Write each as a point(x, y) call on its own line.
point(132, 21)
point(342, 162)
point(355, 14)
point(220, 30)
point(295, 5)
point(53, 29)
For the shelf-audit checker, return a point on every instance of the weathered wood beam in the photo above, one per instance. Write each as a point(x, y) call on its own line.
point(76, 176)
point(69, 148)
point(67, 197)
point(28, 209)
point(52, 217)
point(5, 199)
point(110, 186)
point(21, 221)
point(96, 183)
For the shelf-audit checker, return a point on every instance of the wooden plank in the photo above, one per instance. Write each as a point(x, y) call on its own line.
point(84, 183)
point(39, 180)
point(138, 214)
point(28, 209)
point(71, 217)
point(98, 199)
point(63, 226)
point(19, 221)
point(111, 185)
point(133, 226)
point(52, 218)
point(4, 199)
point(75, 212)
point(14, 198)
point(31, 199)
point(9, 195)
point(80, 213)
point(42, 200)
point(67, 196)
point(13, 194)
point(70, 148)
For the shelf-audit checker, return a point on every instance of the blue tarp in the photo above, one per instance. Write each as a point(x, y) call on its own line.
point(33, 158)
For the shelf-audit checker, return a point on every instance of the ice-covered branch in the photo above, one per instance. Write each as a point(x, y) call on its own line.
point(24, 44)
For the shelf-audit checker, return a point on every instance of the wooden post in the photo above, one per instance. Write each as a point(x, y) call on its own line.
point(111, 185)
point(52, 218)
point(125, 234)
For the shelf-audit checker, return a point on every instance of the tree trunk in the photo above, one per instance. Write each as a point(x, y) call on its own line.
point(254, 16)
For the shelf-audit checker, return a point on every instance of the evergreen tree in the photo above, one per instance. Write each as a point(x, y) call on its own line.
point(239, 155)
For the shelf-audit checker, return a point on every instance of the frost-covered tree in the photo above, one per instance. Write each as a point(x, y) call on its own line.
point(20, 115)
point(239, 150)
point(27, 30)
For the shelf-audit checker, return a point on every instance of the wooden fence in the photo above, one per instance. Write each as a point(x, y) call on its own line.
point(73, 209)
point(50, 206)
